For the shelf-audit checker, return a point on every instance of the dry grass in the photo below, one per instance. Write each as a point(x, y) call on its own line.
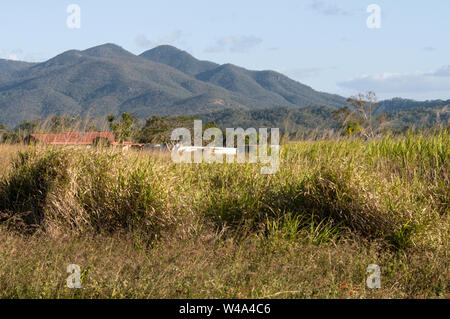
point(141, 226)
point(206, 267)
point(6, 153)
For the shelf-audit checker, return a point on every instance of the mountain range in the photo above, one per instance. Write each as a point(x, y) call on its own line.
point(107, 79)
point(163, 81)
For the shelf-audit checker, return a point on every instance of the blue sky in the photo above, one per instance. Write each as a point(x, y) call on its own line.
point(322, 43)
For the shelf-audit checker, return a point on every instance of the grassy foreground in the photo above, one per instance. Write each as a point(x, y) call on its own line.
point(141, 226)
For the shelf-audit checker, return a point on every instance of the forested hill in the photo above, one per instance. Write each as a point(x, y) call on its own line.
point(164, 81)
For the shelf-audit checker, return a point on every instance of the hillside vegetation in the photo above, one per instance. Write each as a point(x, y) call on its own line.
point(166, 81)
point(163, 81)
point(141, 226)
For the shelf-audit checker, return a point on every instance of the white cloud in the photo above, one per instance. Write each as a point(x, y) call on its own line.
point(433, 81)
point(13, 57)
point(444, 71)
point(327, 8)
point(235, 44)
point(12, 54)
point(171, 39)
point(302, 73)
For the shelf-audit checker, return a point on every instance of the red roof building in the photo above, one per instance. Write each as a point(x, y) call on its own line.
point(77, 138)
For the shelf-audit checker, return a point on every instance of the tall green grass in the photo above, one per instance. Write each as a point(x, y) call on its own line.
point(392, 193)
point(388, 188)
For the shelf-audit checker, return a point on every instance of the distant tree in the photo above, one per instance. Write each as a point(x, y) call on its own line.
point(352, 128)
point(56, 125)
point(125, 128)
point(24, 129)
point(3, 132)
point(358, 116)
point(30, 127)
point(348, 120)
point(364, 105)
point(62, 124)
point(342, 115)
point(158, 130)
point(382, 122)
